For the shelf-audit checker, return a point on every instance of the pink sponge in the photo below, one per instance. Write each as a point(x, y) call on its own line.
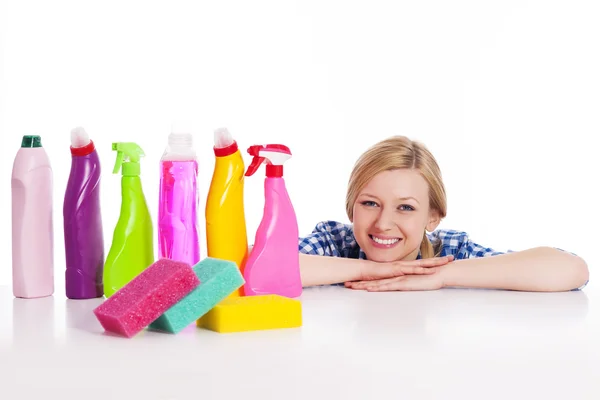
point(146, 297)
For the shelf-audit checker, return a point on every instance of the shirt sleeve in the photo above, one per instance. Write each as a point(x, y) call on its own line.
point(459, 245)
point(327, 239)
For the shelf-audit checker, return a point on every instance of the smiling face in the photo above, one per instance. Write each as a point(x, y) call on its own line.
point(391, 214)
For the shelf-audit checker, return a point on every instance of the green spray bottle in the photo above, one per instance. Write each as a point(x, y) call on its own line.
point(131, 251)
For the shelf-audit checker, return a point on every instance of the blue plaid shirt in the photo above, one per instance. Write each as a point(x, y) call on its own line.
point(335, 239)
point(331, 238)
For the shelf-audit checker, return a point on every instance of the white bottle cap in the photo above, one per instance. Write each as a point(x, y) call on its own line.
point(181, 139)
point(79, 137)
point(180, 135)
point(223, 138)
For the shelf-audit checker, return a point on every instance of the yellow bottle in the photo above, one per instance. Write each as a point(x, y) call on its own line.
point(226, 236)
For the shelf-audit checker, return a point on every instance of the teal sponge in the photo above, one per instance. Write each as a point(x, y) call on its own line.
point(218, 279)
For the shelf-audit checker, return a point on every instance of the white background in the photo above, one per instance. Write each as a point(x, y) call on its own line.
point(504, 93)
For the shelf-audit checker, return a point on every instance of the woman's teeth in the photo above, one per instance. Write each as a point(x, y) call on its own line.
point(384, 241)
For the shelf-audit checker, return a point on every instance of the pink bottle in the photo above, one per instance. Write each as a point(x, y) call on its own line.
point(273, 265)
point(178, 230)
point(32, 225)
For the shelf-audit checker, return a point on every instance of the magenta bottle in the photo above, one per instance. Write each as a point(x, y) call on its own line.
point(84, 240)
point(178, 233)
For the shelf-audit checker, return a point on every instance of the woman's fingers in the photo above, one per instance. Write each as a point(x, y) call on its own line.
point(429, 262)
point(410, 283)
point(391, 270)
point(399, 268)
point(413, 270)
point(371, 284)
point(397, 285)
point(403, 283)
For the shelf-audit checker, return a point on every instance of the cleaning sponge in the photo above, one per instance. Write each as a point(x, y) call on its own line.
point(250, 313)
point(146, 297)
point(219, 279)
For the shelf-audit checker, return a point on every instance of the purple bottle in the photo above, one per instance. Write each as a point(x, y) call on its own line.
point(84, 240)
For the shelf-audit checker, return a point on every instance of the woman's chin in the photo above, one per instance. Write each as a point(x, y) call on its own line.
point(382, 258)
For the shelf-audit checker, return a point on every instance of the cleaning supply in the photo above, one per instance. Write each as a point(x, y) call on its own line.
point(273, 266)
point(146, 297)
point(226, 237)
point(252, 313)
point(219, 278)
point(132, 248)
point(178, 237)
point(82, 218)
point(32, 221)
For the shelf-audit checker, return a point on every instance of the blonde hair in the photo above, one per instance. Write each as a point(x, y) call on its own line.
point(398, 152)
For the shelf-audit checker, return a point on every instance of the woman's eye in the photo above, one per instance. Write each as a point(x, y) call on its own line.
point(406, 207)
point(369, 203)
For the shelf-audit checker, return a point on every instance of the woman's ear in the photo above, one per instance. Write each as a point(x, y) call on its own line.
point(434, 220)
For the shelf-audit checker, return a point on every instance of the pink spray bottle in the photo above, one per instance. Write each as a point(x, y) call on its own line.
point(273, 265)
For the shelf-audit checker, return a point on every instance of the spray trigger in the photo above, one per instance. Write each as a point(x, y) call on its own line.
point(128, 157)
point(257, 160)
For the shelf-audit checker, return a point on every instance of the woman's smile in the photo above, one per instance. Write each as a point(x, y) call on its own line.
point(384, 242)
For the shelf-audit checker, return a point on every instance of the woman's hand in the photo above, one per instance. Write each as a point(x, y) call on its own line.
point(430, 281)
point(379, 272)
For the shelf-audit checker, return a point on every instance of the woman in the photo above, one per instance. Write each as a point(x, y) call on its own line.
point(395, 197)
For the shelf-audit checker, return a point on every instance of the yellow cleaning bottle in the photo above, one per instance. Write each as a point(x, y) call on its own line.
point(226, 236)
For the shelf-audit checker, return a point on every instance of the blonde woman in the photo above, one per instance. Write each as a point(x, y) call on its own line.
point(395, 201)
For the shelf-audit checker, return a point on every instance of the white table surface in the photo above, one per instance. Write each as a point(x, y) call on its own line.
point(445, 344)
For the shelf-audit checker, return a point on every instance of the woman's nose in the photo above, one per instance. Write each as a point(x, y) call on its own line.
point(385, 221)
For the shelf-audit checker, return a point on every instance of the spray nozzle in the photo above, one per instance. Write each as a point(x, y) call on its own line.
point(273, 154)
point(128, 156)
point(257, 160)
